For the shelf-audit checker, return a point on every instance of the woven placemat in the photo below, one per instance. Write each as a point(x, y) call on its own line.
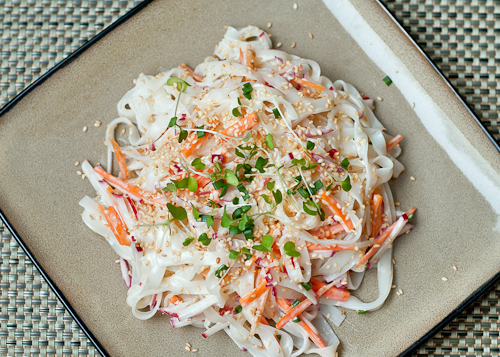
point(36, 34)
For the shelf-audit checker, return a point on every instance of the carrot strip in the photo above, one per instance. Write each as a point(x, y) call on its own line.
point(333, 293)
point(313, 335)
point(174, 299)
point(312, 85)
point(115, 223)
point(285, 307)
point(121, 159)
point(193, 144)
point(261, 303)
point(377, 214)
point(393, 142)
point(134, 191)
point(251, 296)
point(195, 76)
point(333, 205)
point(242, 58)
point(250, 261)
point(243, 125)
point(293, 312)
point(327, 232)
point(333, 248)
point(380, 240)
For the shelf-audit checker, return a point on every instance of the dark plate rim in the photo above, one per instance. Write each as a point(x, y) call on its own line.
point(411, 349)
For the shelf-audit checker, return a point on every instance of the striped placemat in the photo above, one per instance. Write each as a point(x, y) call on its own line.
point(36, 34)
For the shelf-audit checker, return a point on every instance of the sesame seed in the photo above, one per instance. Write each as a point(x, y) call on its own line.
point(187, 348)
point(188, 344)
point(269, 25)
point(194, 350)
point(400, 291)
point(278, 45)
point(412, 178)
point(77, 163)
point(397, 204)
point(85, 129)
point(311, 35)
point(455, 268)
point(412, 105)
point(295, 6)
point(444, 279)
point(97, 123)
point(79, 173)
point(293, 45)
point(393, 286)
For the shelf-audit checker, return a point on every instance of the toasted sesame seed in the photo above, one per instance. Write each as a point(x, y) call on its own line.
point(79, 173)
point(97, 123)
point(85, 129)
point(311, 35)
point(444, 279)
point(379, 99)
point(77, 163)
point(394, 261)
point(188, 344)
point(269, 24)
point(412, 178)
point(187, 348)
point(393, 286)
point(397, 204)
point(293, 45)
point(278, 45)
point(194, 350)
point(400, 291)
point(455, 268)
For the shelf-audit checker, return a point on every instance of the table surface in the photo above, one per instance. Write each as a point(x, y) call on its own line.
point(463, 40)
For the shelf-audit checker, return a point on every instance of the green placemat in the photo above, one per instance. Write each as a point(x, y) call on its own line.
point(36, 34)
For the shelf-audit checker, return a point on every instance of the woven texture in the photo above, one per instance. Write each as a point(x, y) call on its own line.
point(36, 34)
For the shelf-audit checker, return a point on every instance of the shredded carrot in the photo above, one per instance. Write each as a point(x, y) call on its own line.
point(380, 240)
point(193, 144)
point(333, 293)
point(121, 159)
point(286, 307)
point(254, 294)
point(115, 224)
point(333, 248)
point(327, 232)
point(377, 214)
point(205, 272)
point(134, 191)
point(195, 76)
point(261, 304)
point(313, 335)
point(175, 299)
point(312, 85)
point(393, 142)
point(250, 261)
point(243, 125)
point(333, 205)
point(293, 312)
point(242, 58)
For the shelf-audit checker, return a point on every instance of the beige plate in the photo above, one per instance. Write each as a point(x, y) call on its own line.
point(42, 137)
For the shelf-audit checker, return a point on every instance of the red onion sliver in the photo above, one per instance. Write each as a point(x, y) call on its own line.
point(126, 277)
point(133, 208)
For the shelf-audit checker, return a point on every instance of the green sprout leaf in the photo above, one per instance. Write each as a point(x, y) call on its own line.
point(192, 184)
point(178, 213)
point(233, 254)
point(261, 163)
point(345, 164)
point(265, 245)
point(181, 84)
point(226, 220)
point(269, 141)
point(172, 122)
point(231, 178)
point(170, 187)
point(197, 164)
point(289, 249)
point(276, 113)
point(247, 90)
point(244, 191)
point(203, 239)
point(270, 185)
point(238, 309)
point(278, 197)
point(200, 134)
point(196, 214)
point(187, 241)
point(310, 145)
point(236, 112)
point(182, 135)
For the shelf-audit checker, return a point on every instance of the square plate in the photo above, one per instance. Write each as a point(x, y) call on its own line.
point(456, 167)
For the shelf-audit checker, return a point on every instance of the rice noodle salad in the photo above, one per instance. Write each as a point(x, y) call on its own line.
point(251, 198)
